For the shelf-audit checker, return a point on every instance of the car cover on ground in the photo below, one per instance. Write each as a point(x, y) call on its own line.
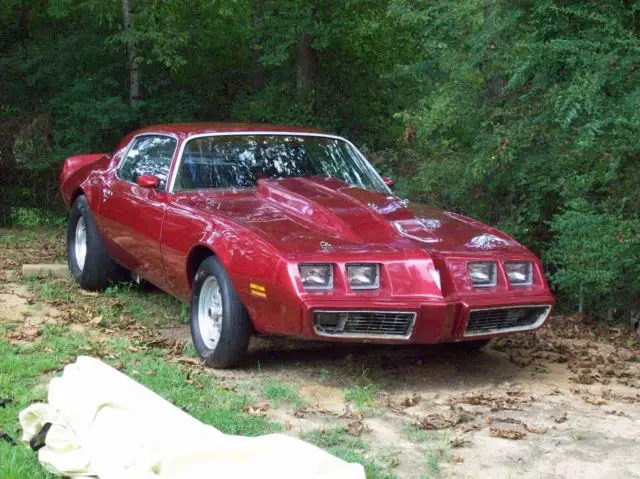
point(103, 424)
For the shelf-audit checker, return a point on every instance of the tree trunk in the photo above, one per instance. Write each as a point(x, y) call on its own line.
point(306, 67)
point(257, 73)
point(134, 70)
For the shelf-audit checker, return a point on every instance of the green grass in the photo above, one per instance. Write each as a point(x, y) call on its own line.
point(31, 236)
point(279, 393)
point(438, 445)
point(417, 435)
point(362, 394)
point(349, 448)
point(27, 369)
point(119, 302)
point(48, 240)
point(20, 463)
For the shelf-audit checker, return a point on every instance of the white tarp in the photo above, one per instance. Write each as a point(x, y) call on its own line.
point(106, 425)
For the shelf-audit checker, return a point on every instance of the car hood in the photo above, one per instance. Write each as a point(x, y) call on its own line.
point(304, 215)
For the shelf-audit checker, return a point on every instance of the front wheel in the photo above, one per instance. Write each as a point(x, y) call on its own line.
point(88, 260)
point(220, 325)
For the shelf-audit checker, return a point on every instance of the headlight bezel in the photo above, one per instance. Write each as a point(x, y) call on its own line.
point(529, 272)
point(376, 271)
point(493, 269)
point(327, 286)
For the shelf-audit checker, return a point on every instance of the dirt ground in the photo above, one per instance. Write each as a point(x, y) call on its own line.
point(544, 406)
point(563, 402)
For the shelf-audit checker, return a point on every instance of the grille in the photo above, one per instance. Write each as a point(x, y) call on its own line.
point(363, 323)
point(485, 321)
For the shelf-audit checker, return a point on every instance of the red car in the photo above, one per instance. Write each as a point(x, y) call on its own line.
point(288, 231)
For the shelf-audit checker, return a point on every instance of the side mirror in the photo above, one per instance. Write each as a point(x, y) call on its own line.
point(388, 181)
point(148, 181)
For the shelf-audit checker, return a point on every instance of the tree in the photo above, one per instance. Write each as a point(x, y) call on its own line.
point(134, 72)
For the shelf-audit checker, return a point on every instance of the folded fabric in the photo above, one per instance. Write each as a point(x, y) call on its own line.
point(106, 425)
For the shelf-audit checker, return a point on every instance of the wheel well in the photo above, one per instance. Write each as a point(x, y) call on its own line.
point(76, 193)
point(196, 257)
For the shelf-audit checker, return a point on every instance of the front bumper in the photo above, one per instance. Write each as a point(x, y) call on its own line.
point(425, 322)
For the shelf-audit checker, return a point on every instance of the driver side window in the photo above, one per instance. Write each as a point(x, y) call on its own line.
point(149, 155)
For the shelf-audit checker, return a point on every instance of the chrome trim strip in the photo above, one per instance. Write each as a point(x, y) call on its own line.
point(364, 336)
point(366, 162)
point(543, 317)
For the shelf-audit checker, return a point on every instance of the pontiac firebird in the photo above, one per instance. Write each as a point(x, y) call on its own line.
point(287, 231)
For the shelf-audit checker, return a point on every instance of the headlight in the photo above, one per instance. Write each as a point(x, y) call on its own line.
point(363, 276)
point(316, 276)
point(483, 274)
point(519, 273)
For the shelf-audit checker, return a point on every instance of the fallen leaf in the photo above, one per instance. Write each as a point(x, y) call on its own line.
point(535, 429)
point(510, 420)
point(507, 433)
point(356, 428)
point(434, 422)
point(596, 401)
point(471, 427)
point(256, 409)
point(458, 441)
point(188, 360)
point(561, 419)
point(616, 413)
point(411, 401)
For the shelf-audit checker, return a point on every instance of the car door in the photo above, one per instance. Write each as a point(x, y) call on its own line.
point(130, 215)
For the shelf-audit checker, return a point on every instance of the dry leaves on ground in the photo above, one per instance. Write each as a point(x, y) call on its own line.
point(507, 433)
point(458, 415)
point(256, 409)
point(24, 335)
point(356, 428)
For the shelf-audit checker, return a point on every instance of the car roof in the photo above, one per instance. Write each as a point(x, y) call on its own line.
point(189, 129)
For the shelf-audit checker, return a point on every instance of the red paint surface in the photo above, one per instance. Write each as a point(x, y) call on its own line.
point(261, 235)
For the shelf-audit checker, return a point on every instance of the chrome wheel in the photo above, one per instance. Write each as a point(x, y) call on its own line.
point(80, 243)
point(210, 312)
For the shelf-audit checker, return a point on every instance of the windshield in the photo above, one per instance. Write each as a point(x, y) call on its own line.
point(238, 161)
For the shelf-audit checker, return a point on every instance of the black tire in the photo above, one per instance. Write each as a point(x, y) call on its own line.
point(235, 325)
point(471, 346)
point(99, 269)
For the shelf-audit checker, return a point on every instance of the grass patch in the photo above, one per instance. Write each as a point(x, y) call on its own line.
point(20, 463)
point(349, 448)
point(362, 394)
point(279, 393)
point(417, 435)
point(438, 445)
point(47, 243)
point(27, 369)
point(120, 302)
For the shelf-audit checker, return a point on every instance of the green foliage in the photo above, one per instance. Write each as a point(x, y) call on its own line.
point(528, 120)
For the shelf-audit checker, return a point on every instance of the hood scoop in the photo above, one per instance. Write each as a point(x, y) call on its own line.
point(326, 204)
point(419, 229)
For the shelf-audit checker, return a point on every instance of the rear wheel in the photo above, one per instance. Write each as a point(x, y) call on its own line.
point(89, 262)
point(220, 325)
